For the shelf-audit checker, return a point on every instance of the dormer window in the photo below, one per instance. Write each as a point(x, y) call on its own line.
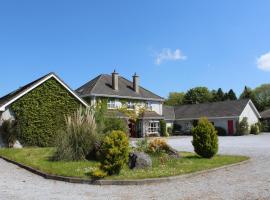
point(111, 104)
point(130, 105)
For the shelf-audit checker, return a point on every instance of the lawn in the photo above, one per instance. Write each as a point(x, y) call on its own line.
point(39, 158)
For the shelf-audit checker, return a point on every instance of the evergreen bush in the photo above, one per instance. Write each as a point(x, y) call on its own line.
point(163, 130)
point(114, 152)
point(205, 140)
point(254, 129)
point(243, 127)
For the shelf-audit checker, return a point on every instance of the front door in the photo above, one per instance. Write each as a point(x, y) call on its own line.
point(230, 127)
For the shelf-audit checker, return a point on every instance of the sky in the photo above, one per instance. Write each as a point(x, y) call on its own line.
point(172, 45)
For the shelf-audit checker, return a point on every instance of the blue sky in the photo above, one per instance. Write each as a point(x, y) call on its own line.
point(172, 45)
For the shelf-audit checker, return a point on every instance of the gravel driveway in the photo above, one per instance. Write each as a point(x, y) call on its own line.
point(248, 181)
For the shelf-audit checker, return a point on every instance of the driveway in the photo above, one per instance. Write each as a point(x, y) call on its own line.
point(247, 181)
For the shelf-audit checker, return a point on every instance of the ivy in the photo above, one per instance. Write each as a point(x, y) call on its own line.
point(41, 113)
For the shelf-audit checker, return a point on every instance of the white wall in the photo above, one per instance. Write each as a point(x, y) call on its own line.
point(249, 112)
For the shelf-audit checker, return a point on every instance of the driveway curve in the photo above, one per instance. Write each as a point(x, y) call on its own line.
point(247, 181)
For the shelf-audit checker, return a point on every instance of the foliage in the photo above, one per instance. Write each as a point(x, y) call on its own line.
point(40, 113)
point(254, 129)
point(175, 99)
point(142, 145)
point(260, 126)
point(221, 131)
point(114, 152)
point(78, 138)
point(158, 145)
point(231, 95)
point(37, 158)
point(262, 96)
point(115, 123)
point(169, 130)
point(197, 95)
point(217, 95)
point(205, 140)
point(242, 127)
point(97, 173)
point(163, 130)
point(10, 131)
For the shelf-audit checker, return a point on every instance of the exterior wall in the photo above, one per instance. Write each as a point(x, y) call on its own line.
point(250, 114)
point(157, 107)
point(220, 122)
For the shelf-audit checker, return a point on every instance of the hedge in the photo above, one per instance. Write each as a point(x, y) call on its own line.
point(40, 113)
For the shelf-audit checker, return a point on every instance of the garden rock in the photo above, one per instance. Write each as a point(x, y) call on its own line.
point(139, 160)
point(172, 152)
point(17, 145)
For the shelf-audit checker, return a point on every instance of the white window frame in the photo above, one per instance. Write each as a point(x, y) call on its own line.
point(153, 127)
point(130, 105)
point(149, 106)
point(111, 104)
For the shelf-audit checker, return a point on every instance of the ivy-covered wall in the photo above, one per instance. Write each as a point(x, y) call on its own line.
point(40, 113)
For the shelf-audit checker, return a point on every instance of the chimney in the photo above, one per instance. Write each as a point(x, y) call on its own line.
point(115, 80)
point(136, 83)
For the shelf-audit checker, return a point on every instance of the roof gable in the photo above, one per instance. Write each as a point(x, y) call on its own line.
point(102, 86)
point(13, 96)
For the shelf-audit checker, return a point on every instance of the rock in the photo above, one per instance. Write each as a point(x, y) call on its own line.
point(17, 145)
point(172, 152)
point(139, 160)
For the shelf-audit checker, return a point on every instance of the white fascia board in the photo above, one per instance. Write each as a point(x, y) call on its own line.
point(2, 108)
point(225, 117)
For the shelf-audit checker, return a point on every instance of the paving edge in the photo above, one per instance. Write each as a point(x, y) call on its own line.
point(119, 182)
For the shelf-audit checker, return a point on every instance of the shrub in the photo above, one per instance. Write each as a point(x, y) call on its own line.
point(113, 124)
point(242, 127)
point(221, 131)
point(158, 145)
point(169, 130)
point(142, 145)
point(163, 130)
point(10, 132)
point(205, 140)
point(78, 138)
point(41, 113)
point(98, 173)
point(114, 152)
point(260, 126)
point(254, 129)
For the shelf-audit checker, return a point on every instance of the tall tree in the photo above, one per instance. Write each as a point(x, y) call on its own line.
point(197, 95)
point(248, 93)
point(219, 96)
point(175, 99)
point(262, 96)
point(231, 95)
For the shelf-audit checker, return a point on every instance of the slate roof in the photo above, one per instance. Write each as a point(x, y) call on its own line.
point(210, 110)
point(265, 114)
point(12, 95)
point(102, 86)
point(168, 112)
point(150, 115)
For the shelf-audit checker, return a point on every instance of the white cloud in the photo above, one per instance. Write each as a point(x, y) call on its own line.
point(168, 54)
point(263, 62)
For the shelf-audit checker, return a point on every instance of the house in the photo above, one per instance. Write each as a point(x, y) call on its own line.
point(119, 93)
point(223, 114)
point(49, 100)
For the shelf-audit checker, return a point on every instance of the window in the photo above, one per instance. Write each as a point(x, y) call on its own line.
point(188, 126)
point(153, 127)
point(148, 106)
point(130, 105)
point(111, 104)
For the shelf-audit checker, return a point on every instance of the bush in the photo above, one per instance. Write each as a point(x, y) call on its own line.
point(243, 127)
point(114, 152)
point(113, 124)
point(221, 131)
point(205, 140)
point(98, 173)
point(78, 138)
point(169, 130)
point(158, 145)
point(142, 145)
point(163, 130)
point(10, 132)
point(260, 126)
point(254, 129)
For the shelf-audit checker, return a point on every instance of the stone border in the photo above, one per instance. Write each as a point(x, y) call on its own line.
point(119, 182)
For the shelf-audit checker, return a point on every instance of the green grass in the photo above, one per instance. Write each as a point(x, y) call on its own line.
point(39, 158)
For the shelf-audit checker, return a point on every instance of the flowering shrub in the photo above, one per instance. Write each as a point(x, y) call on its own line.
point(158, 145)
